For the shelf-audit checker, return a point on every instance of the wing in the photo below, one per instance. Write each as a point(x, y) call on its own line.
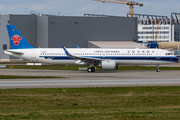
point(83, 59)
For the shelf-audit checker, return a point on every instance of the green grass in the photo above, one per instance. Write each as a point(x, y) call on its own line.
point(25, 77)
point(13, 63)
point(48, 67)
point(91, 103)
point(76, 67)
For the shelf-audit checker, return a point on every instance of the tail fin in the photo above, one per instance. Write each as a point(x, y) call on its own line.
point(16, 39)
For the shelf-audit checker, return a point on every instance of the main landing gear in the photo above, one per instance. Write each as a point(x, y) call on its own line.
point(157, 68)
point(91, 69)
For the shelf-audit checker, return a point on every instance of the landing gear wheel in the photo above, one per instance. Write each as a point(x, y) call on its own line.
point(93, 69)
point(157, 70)
point(89, 70)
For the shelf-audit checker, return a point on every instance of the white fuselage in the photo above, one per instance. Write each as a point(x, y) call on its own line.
point(121, 56)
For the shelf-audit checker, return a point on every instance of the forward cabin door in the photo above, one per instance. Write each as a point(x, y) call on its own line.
point(158, 54)
point(33, 55)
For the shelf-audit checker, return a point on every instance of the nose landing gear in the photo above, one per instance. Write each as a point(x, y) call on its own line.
point(157, 68)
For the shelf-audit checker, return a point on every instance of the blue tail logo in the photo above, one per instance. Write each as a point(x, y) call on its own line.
point(16, 39)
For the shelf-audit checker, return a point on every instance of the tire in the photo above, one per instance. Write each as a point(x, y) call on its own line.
point(93, 69)
point(157, 70)
point(89, 70)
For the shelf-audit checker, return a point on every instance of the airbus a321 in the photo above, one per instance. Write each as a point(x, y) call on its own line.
point(106, 59)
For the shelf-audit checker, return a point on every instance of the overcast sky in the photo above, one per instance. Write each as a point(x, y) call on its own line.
point(79, 7)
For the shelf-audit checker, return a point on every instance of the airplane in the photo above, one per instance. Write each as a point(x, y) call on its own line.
point(106, 59)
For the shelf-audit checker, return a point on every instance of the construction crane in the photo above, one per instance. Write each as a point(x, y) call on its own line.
point(157, 30)
point(130, 3)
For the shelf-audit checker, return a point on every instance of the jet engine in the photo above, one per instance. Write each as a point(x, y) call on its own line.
point(108, 65)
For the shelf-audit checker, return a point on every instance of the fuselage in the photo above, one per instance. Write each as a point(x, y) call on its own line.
point(121, 56)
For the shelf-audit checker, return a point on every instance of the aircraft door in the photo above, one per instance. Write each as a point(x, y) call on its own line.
point(158, 54)
point(33, 55)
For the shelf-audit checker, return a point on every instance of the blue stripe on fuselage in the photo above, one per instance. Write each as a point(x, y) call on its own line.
point(148, 58)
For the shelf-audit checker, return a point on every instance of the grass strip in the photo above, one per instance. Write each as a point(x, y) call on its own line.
point(76, 67)
point(91, 103)
point(25, 77)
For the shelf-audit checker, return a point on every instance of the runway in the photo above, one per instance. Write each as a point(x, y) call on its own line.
point(84, 79)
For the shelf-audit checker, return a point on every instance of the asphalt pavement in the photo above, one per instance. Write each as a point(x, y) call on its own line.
point(85, 79)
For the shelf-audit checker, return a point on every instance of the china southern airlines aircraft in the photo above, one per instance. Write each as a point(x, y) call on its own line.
point(107, 59)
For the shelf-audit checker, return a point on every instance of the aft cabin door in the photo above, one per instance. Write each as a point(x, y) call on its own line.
point(33, 55)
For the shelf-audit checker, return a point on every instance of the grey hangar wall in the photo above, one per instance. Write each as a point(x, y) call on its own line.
point(49, 31)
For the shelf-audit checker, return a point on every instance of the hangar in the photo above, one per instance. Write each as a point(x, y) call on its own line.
point(51, 31)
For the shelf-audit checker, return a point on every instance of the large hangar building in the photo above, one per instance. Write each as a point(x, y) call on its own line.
point(50, 31)
point(166, 28)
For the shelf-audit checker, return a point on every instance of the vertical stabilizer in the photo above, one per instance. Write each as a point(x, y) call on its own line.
point(16, 39)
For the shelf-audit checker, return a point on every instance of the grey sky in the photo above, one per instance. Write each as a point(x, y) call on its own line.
point(79, 7)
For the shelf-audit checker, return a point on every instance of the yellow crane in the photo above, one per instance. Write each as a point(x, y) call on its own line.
point(157, 29)
point(130, 3)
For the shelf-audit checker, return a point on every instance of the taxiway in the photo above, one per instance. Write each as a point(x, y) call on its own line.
point(84, 79)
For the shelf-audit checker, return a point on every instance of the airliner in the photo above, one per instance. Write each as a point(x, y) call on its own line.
point(106, 59)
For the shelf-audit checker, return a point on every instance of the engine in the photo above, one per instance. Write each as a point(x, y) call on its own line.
point(108, 65)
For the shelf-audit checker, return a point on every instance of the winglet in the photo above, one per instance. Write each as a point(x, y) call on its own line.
point(65, 50)
point(77, 46)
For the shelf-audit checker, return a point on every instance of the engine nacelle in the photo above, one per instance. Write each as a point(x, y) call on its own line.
point(108, 65)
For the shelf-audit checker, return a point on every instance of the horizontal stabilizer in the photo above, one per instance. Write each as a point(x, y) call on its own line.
point(14, 52)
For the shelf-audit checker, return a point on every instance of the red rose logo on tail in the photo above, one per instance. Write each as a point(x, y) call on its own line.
point(16, 39)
